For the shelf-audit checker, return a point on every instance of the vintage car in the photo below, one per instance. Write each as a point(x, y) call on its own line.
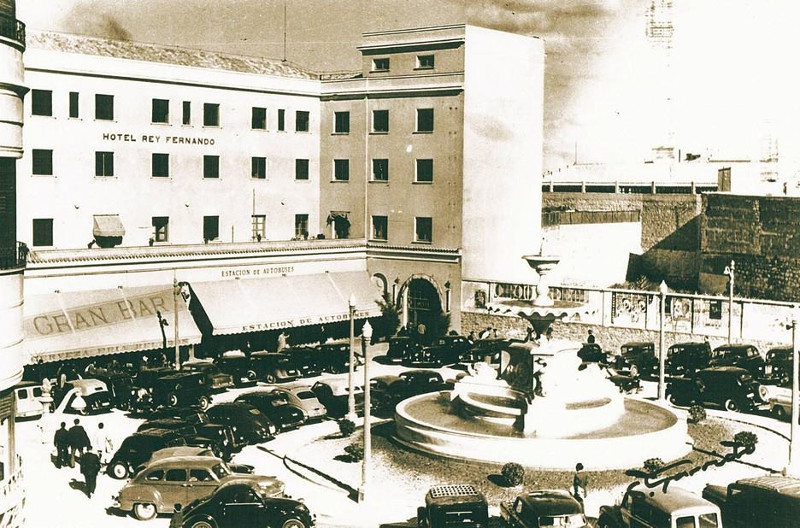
point(732, 388)
point(416, 382)
point(94, 394)
point(592, 353)
point(778, 366)
point(138, 448)
point(236, 364)
point(181, 389)
point(171, 483)
point(544, 508)
point(238, 503)
point(28, 396)
point(453, 505)
point(215, 379)
point(170, 452)
point(383, 401)
point(302, 397)
point(249, 424)
point(276, 407)
point(401, 347)
point(637, 358)
point(307, 360)
point(656, 508)
point(445, 350)
point(771, 500)
point(334, 356)
point(333, 394)
point(744, 356)
point(686, 358)
point(120, 388)
point(273, 367)
point(779, 400)
point(222, 435)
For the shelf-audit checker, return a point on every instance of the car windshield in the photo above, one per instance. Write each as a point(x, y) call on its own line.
point(305, 395)
point(752, 352)
point(575, 520)
point(221, 470)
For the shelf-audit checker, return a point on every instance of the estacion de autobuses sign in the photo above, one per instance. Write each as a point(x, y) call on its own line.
point(303, 321)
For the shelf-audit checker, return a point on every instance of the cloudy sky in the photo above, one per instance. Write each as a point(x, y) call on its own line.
point(610, 94)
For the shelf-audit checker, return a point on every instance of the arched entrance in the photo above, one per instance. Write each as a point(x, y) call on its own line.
point(425, 307)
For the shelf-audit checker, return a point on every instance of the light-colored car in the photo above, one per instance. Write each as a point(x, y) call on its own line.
point(780, 401)
point(175, 482)
point(29, 404)
point(301, 396)
point(655, 508)
point(171, 452)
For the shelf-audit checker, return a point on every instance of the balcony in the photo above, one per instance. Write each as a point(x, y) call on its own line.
point(12, 29)
point(13, 257)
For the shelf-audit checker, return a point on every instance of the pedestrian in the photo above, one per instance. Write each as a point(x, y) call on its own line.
point(61, 443)
point(590, 338)
point(90, 467)
point(471, 337)
point(282, 341)
point(579, 484)
point(78, 441)
point(102, 443)
point(485, 334)
point(494, 333)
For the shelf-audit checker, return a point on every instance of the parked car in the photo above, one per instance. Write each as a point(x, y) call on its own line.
point(544, 508)
point(221, 434)
point(414, 382)
point(120, 388)
point(383, 399)
point(276, 407)
point(307, 360)
point(333, 394)
point(335, 356)
point(28, 400)
point(302, 397)
point(745, 356)
point(488, 350)
point(638, 358)
point(138, 448)
point(237, 365)
point(171, 483)
point(237, 503)
point(401, 347)
point(94, 392)
point(453, 505)
point(772, 500)
point(182, 389)
point(686, 358)
point(170, 452)
point(273, 367)
point(215, 379)
point(730, 387)
point(592, 353)
point(656, 508)
point(249, 424)
point(445, 350)
point(779, 400)
point(778, 366)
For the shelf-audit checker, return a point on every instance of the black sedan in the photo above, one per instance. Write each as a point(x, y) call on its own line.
point(239, 503)
point(276, 407)
point(247, 422)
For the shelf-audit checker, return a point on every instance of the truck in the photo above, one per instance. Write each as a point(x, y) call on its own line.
point(542, 508)
point(771, 500)
point(455, 505)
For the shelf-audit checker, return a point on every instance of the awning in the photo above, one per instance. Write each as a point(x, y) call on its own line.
point(67, 325)
point(254, 305)
point(108, 226)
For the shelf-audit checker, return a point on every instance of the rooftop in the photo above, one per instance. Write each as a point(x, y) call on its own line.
point(140, 51)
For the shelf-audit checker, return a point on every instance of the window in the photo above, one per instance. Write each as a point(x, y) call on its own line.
point(423, 229)
point(301, 121)
point(210, 166)
point(104, 107)
point(341, 122)
point(160, 166)
point(301, 169)
point(42, 102)
point(211, 114)
point(380, 227)
point(340, 224)
point(160, 111)
point(424, 171)
point(42, 161)
point(259, 227)
point(380, 64)
point(42, 231)
point(160, 228)
point(187, 113)
point(176, 475)
point(341, 170)
point(424, 119)
point(301, 226)
point(210, 228)
point(258, 120)
point(158, 474)
point(380, 170)
point(74, 106)
point(425, 62)
point(258, 168)
point(103, 163)
point(281, 119)
point(380, 121)
point(200, 475)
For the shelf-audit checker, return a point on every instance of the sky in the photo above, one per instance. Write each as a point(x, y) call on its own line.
point(722, 89)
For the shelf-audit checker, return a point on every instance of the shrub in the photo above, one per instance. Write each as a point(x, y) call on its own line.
point(745, 439)
point(355, 452)
point(653, 465)
point(513, 473)
point(697, 414)
point(346, 427)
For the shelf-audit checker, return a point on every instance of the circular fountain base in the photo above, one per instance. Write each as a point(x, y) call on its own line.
point(644, 430)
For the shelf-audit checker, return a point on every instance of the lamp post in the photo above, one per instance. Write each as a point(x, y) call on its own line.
point(366, 336)
point(794, 430)
point(351, 400)
point(662, 289)
point(162, 323)
point(176, 291)
point(730, 271)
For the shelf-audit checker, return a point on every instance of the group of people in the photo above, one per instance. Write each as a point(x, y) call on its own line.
point(74, 445)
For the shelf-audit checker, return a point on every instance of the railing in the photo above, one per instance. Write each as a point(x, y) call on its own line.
point(12, 28)
point(553, 218)
point(14, 257)
point(11, 487)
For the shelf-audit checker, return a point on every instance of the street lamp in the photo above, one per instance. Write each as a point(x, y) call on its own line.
point(162, 323)
point(794, 430)
point(176, 291)
point(351, 400)
point(730, 271)
point(366, 336)
point(662, 289)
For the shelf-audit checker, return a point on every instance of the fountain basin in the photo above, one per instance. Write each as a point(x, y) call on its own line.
point(644, 430)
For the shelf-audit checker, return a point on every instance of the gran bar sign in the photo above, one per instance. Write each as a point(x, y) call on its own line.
point(302, 321)
point(523, 292)
point(86, 317)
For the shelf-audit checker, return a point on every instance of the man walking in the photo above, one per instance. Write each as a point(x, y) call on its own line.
point(90, 467)
point(61, 441)
point(101, 443)
point(579, 484)
point(78, 441)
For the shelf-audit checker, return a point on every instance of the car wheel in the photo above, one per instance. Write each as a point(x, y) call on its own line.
point(779, 413)
point(731, 405)
point(204, 402)
point(202, 524)
point(172, 399)
point(634, 371)
point(674, 400)
point(293, 523)
point(251, 375)
point(271, 378)
point(118, 470)
point(144, 511)
point(335, 370)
